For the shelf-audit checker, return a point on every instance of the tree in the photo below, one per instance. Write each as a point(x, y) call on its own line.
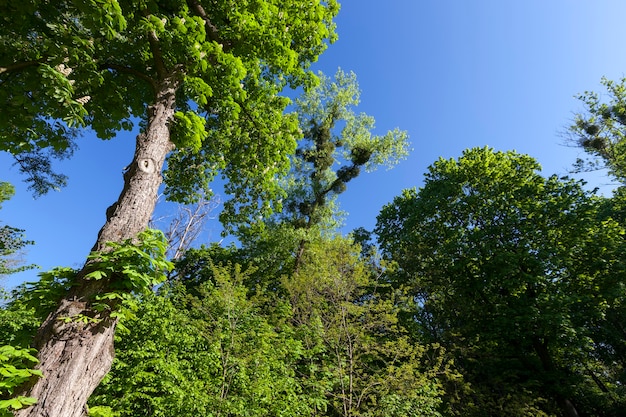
point(350, 355)
point(600, 129)
point(513, 273)
point(208, 353)
point(336, 145)
point(11, 239)
point(363, 356)
point(204, 80)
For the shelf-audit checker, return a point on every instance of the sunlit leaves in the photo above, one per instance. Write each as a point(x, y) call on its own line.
point(336, 143)
point(135, 265)
point(188, 130)
point(209, 353)
point(360, 354)
point(15, 369)
point(233, 57)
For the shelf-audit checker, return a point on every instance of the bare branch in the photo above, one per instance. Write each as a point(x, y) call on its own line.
point(187, 225)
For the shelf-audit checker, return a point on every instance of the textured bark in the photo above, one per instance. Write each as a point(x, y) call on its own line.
point(75, 356)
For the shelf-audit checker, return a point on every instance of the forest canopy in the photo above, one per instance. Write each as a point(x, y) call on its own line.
point(488, 289)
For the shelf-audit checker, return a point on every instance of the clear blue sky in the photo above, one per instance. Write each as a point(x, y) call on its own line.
point(454, 74)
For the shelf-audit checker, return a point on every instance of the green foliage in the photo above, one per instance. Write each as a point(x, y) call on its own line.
point(512, 273)
point(212, 72)
point(18, 322)
point(15, 369)
point(153, 373)
point(101, 411)
point(137, 265)
point(42, 296)
point(6, 191)
point(11, 239)
point(16, 325)
point(600, 130)
point(334, 135)
point(360, 356)
point(234, 76)
point(226, 340)
point(100, 63)
point(207, 354)
point(188, 131)
point(131, 268)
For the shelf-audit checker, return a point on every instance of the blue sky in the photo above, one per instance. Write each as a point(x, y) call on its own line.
point(454, 74)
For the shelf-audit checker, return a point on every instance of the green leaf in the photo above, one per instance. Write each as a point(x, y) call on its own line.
point(98, 274)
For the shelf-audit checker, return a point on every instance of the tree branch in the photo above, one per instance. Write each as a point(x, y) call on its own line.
point(131, 71)
point(211, 29)
point(20, 65)
point(157, 54)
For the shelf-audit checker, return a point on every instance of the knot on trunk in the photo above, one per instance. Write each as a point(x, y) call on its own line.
point(146, 165)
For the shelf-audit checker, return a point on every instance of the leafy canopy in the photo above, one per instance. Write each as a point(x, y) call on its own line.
point(101, 63)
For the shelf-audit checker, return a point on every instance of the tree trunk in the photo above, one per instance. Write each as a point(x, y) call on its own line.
point(74, 355)
point(566, 404)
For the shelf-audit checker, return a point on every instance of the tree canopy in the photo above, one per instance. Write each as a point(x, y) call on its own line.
point(203, 80)
point(512, 272)
point(492, 290)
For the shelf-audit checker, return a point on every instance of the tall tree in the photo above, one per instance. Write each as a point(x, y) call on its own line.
point(513, 272)
point(336, 145)
point(203, 78)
